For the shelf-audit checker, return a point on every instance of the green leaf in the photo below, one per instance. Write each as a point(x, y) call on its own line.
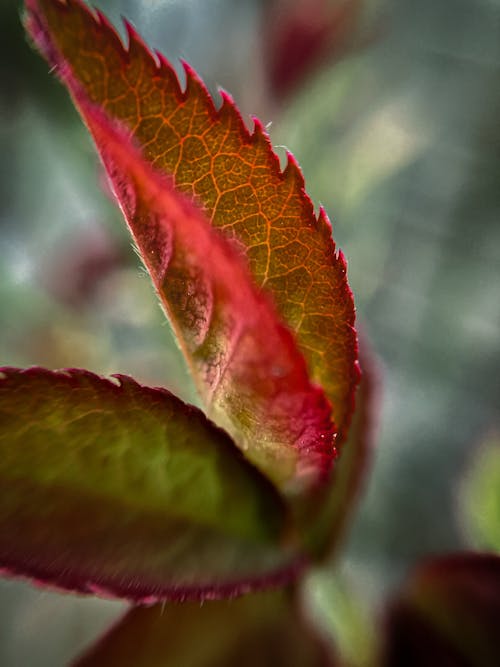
point(480, 495)
point(117, 489)
point(258, 630)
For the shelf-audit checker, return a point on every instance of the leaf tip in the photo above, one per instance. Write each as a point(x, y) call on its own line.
point(196, 87)
point(136, 45)
point(293, 172)
point(325, 226)
point(225, 96)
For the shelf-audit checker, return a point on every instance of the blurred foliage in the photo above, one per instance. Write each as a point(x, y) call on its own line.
point(263, 629)
point(448, 614)
point(479, 495)
point(337, 606)
point(399, 139)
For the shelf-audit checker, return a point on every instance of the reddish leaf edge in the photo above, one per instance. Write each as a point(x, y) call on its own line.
point(135, 592)
point(139, 595)
point(362, 437)
point(291, 171)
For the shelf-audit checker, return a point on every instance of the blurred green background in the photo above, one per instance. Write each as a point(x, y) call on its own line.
point(398, 136)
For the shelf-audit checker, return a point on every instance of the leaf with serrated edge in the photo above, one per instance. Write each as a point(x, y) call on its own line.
point(249, 371)
point(263, 629)
point(117, 489)
point(233, 174)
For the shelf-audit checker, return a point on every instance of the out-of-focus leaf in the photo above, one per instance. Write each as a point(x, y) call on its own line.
point(263, 629)
point(233, 174)
point(300, 35)
point(480, 495)
point(74, 271)
point(344, 615)
point(448, 615)
point(117, 489)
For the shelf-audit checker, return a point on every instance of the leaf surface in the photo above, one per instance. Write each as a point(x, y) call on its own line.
point(232, 174)
point(447, 614)
point(262, 629)
point(254, 379)
point(117, 489)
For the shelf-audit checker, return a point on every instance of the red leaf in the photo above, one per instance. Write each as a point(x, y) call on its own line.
point(300, 35)
point(235, 177)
